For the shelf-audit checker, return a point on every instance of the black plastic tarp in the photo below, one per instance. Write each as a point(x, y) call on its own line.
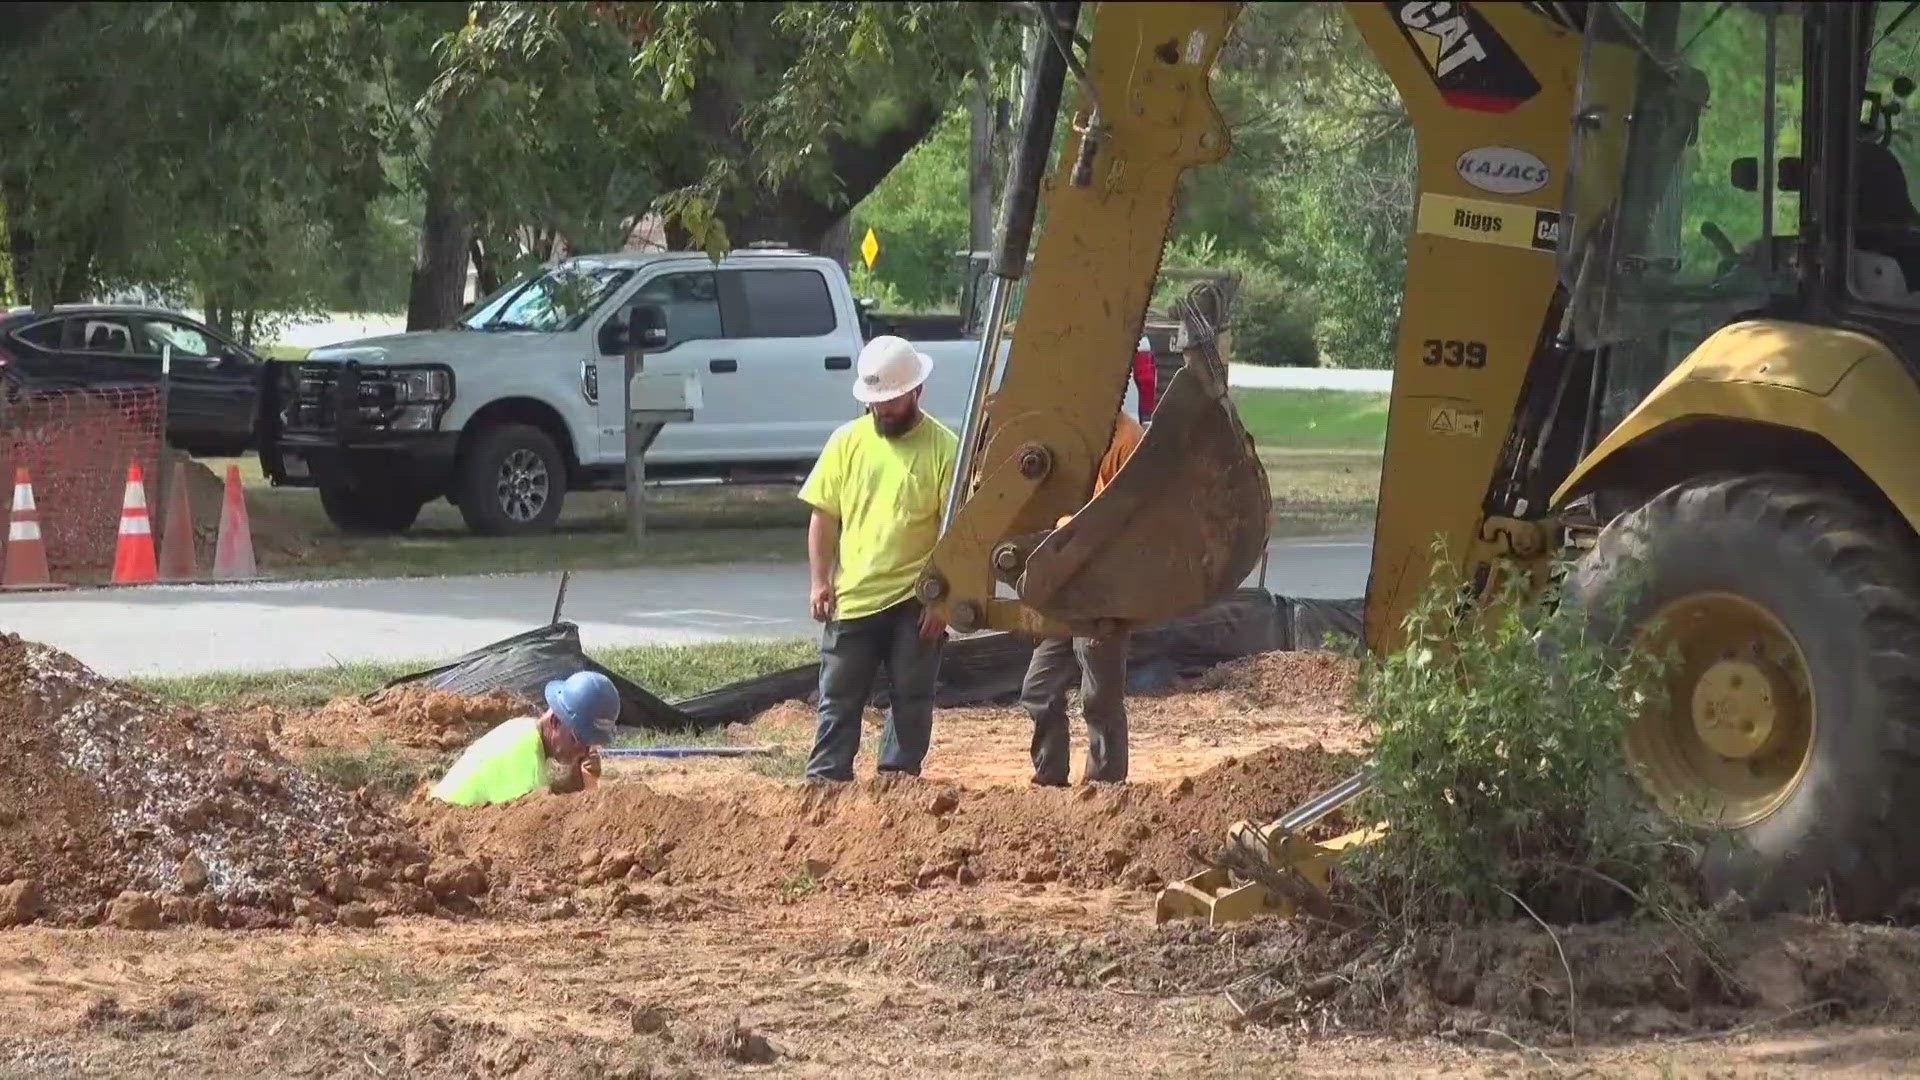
point(525, 663)
point(988, 668)
point(976, 670)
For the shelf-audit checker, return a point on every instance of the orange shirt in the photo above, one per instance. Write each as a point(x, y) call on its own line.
point(1127, 433)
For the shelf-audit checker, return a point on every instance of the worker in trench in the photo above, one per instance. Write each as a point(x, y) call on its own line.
point(513, 759)
point(877, 493)
point(1101, 663)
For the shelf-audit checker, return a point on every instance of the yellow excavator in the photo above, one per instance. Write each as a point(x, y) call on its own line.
point(1661, 320)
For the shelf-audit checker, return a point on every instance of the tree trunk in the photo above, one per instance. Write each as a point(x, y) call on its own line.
point(439, 284)
point(486, 268)
point(76, 278)
point(980, 165)
point(837, 242)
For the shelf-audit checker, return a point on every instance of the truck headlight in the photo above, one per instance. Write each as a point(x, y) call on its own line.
point(422, 386)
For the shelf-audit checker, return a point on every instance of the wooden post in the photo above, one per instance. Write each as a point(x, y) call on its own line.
point(636, 449)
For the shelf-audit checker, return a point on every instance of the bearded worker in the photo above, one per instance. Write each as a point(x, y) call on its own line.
point(877, 493)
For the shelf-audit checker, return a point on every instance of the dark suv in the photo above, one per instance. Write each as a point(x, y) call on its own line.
point(213, 395)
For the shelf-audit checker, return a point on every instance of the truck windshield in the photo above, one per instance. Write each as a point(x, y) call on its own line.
point(554, 301)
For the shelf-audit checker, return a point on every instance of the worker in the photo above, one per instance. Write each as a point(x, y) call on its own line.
point(511, 759)
point(1101, 662)
point(877, 493)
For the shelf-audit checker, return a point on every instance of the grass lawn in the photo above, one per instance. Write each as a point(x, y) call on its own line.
point(670, 671)
point(686, 524)
point(1322, 450)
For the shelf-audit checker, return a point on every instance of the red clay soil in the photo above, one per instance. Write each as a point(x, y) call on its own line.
point(894, 833)
point(120, 810)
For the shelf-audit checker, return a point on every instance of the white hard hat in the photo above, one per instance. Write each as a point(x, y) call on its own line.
point(889, 366)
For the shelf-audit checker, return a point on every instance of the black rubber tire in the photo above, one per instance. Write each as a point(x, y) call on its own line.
point(490, 511)
point(366, 510)
point(1841, 577)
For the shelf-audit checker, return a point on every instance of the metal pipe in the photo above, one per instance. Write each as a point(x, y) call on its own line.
point(1767, 144)
point(1046, 75)
point(983, 368)
point(1326, 802)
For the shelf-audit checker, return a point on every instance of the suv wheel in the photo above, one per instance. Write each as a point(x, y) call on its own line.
point(512, 482)
point(369, 510)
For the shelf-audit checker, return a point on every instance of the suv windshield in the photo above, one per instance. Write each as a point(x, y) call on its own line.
point(555, 301)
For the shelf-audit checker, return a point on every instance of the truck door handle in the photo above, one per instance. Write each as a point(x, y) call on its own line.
point(720, 367)
point(839, 363)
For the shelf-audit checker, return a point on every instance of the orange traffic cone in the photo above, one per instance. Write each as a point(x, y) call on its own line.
point(176, 538)
point(133, 557)
point(26, 552)
point(233, 557)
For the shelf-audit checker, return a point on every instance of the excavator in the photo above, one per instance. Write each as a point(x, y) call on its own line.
point(1661, 330)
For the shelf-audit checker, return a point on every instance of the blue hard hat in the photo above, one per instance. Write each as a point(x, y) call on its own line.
point(587, 703)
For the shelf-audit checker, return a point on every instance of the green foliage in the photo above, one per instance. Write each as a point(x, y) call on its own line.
point(1271, 321)
point(919, 214)
point(1498, 762)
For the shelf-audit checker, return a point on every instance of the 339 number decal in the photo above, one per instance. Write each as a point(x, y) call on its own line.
point(1470, 354)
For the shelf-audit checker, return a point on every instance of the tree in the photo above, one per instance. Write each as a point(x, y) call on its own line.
point(774, 119)
point(186, 163)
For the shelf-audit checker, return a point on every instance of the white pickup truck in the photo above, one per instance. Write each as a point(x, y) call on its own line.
point(520, 402)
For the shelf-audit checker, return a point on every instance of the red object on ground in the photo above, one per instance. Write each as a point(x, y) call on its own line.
point(26, 552)
point(233, 557)
point(133, 562)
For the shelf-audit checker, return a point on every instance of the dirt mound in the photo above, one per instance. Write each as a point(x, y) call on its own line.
point(413, 716)
point(1484, 985)
point(1317, 682)
point(119, 810)
point(277, 539)
point(897, 834)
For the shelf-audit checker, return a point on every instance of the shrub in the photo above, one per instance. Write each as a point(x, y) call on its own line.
point(1498, 763)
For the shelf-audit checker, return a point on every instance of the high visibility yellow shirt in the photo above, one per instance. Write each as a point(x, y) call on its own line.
point(887, 495)
point(504, 764)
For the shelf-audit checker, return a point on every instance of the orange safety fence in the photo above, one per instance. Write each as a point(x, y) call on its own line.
point(77, 444)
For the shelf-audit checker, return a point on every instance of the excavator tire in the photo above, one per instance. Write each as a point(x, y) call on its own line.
point(1792, 729)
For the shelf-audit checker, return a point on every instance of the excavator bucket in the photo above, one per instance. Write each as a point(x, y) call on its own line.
point(1181, 524)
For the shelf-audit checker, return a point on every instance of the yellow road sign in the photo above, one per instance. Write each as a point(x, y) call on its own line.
point(870, 247)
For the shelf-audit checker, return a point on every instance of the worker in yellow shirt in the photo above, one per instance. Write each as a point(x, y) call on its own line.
point(511, 759)
point(877, 493)
point(1101, 663)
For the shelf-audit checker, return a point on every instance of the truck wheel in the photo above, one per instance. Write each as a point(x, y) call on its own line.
point(1792, 723)
point(512, 482)
point(368, 510)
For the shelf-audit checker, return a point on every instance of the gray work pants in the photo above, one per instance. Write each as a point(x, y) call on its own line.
point(1101, 664)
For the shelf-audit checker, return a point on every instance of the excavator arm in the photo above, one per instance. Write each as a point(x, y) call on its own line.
point(1482, 381)
point(1185, 520)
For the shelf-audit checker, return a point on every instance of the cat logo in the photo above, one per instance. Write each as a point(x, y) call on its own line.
point(1546, 229)
point(1473, 67)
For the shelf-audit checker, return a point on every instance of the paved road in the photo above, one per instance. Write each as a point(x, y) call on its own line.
point(178, 630)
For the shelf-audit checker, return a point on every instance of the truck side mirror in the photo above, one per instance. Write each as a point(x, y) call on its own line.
point(1746, 173)
point(641, 326)
point(646, 328)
